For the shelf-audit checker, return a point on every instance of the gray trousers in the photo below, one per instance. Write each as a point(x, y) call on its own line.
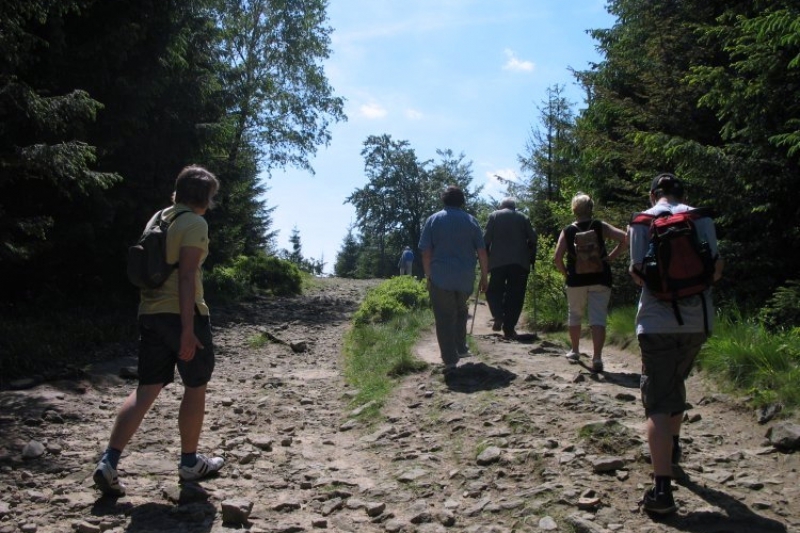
point(450, 311)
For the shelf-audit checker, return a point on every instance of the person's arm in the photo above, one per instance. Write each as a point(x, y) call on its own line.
point(635, 267)
point(188, 265)
point(426, 265)
point(616, 234)
point(483, 261)
point(488, 233)
point(561, 249)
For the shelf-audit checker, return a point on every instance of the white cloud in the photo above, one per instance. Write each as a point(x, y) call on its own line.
point(413, 114)
point(372, 111)
point(516, 64)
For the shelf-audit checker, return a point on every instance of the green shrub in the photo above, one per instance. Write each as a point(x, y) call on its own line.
point(782, 310)
point(251, 275)
point(392, 298)
point(546, 300)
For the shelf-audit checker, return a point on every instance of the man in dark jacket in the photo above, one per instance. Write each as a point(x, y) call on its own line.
point(511, 244)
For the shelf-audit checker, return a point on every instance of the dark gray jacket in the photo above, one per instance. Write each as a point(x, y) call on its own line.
point(510, 239)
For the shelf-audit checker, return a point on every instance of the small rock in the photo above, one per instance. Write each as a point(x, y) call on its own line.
point(548, 524)
point(375, 509)
point(236, 511)
point(262, 442)
point(785, 436)
point(605, 464)
point(331, 506)
point(33, 450)
point(490, 455)
point(299, 346)
point(766, 413)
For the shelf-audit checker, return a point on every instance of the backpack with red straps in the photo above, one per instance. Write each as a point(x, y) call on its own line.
point(678, 264)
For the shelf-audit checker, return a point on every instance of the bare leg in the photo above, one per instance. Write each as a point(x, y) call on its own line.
point(598, 341)
point(659, 437)
point(131, 414)
point(575, 338)
point(190, 418)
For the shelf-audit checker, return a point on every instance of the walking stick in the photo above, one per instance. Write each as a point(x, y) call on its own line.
point(475, 309)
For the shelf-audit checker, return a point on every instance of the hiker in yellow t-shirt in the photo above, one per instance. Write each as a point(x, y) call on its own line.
point(175, 331)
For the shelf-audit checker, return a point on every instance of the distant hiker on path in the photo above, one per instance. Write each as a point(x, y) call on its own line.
point(668, 348)
point(511, 245)
point(588, 275)
point(406, 261)
point(175, 330)
point(451, 239)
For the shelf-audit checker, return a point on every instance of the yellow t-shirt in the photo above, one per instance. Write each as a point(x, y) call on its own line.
point(189, 229)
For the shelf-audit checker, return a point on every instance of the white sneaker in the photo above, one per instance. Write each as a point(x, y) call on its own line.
point(107, 480)
point(573, 357)
point(204, 467)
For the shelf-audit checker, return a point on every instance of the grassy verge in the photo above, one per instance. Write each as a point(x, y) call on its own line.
point(753, 360)
point(378, 348)
point(742, 355)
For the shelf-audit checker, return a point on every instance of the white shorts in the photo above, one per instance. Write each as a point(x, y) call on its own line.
point(597, 296)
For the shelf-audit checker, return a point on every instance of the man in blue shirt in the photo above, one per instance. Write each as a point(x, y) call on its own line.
point(406, 261)
point(451, 239)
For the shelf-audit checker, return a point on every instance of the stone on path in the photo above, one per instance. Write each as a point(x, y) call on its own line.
point(785, 436)
point(236, 511)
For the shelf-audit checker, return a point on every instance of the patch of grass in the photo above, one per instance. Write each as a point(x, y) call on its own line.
point(376, 354)
point(258, 341)
point(608, 437)
point(754, 360)
point(621, 326)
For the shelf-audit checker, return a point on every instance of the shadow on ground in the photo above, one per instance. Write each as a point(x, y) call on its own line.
point(474, 377)
point(726, 514)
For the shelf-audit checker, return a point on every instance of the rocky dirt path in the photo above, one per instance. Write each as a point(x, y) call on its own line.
point(517, 440)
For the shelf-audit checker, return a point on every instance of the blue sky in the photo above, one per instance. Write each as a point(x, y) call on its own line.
point(464, 75)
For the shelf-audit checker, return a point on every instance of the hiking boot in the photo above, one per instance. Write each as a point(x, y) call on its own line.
point(573, 357)
point(497, 325)
point(510, 334)
point(203, 468)
point(677, 453)
point(464, 355)
point(658, 503)
point(107, 480)
point(597, 365)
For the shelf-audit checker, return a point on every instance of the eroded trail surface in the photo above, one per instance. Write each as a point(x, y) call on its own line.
point(517, 439)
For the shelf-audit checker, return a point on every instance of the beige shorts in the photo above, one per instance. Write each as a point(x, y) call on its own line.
point(596, 297)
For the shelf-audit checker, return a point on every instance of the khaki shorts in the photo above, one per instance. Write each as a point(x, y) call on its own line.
point(667, 360)
point(596, 297)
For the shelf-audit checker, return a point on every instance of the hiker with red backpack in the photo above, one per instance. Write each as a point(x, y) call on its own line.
point(674, 259)
point(588, 275)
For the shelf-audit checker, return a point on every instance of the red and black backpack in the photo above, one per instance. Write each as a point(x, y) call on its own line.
point(678, 264)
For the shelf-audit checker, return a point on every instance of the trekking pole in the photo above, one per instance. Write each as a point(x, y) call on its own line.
point(475, 309)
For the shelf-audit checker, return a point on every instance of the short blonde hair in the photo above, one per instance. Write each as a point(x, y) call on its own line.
point(582, 205)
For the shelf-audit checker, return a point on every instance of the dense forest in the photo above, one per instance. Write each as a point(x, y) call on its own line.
point(102, 103)
point(708, 90)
